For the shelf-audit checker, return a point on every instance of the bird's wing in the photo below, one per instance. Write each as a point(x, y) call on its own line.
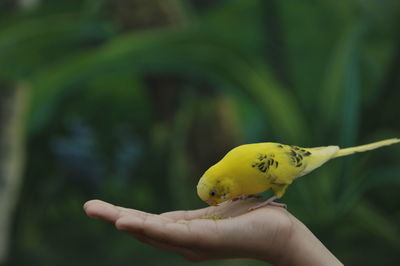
point(296, 161)
point(317, 157)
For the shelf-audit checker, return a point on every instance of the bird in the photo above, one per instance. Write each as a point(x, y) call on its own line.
point(251, 169)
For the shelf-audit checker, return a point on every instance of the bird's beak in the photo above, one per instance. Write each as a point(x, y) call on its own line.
point(211, 202)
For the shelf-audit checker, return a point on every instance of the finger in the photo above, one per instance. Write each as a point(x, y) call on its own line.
point(195, 253)
point(127, 211)
point(140, 236)
point(188, 215)
point(225, 209)
point(185, 252)
point(141, 214)
point(161, 229)
point(101, 210)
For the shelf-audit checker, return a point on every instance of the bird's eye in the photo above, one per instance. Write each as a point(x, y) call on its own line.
point(212, 193)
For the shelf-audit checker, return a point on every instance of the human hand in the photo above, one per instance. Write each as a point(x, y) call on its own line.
point(270, 234)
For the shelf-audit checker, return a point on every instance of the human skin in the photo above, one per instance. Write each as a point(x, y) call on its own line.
point(270, 234)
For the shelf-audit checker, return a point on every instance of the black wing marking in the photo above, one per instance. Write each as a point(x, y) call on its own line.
point(296, 155)
point(264, 162)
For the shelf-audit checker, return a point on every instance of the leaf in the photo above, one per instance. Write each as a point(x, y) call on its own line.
point(378, 177)
point(182, 52)
point(341, 75)
point(369, 218)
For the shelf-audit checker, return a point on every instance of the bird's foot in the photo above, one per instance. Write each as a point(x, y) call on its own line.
point(243, 197)
point(270, 202)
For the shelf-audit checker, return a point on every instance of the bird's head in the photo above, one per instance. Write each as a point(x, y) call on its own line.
point(216, 186)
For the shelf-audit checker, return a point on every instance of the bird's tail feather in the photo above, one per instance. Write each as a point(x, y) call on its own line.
point(366, 147)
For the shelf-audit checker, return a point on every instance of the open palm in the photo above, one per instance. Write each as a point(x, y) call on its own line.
point(267, 233)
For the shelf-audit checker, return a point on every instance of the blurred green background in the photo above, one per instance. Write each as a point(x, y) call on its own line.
point(129, 101)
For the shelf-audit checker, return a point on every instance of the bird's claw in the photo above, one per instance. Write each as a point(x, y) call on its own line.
point(270, 202)
point(263, 204)
point(243, 197)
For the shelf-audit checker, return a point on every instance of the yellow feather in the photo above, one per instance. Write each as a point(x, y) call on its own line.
point(367, 147)
point(254, 168)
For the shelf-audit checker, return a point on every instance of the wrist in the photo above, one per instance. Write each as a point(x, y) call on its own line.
point(302, 247)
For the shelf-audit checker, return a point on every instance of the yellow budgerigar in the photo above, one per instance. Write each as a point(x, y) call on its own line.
point(254, 168)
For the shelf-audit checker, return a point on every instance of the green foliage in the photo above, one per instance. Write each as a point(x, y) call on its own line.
point(134, 117)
